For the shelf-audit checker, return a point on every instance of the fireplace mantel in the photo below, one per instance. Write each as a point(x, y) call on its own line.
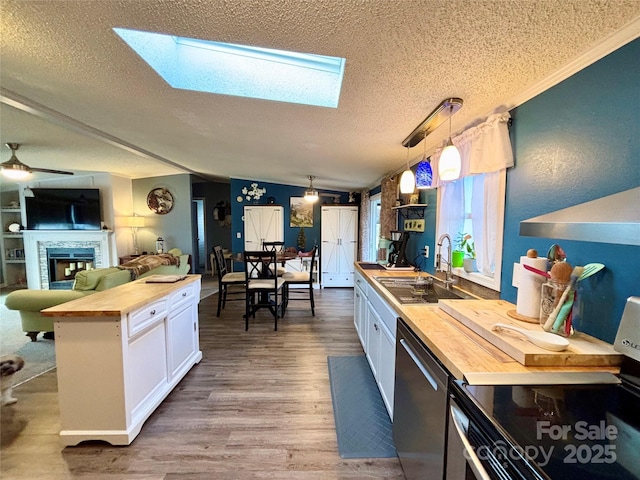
point(37, 241)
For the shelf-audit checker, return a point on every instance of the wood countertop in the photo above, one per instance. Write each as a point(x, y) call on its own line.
point(462, 351)
point(118, 300)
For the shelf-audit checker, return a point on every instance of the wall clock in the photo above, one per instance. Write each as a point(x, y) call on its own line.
point(160, 201)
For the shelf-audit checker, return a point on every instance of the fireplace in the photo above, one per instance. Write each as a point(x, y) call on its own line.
point(37, 244)
point(64, 263)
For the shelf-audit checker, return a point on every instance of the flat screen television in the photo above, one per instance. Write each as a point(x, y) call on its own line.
point(63, 209)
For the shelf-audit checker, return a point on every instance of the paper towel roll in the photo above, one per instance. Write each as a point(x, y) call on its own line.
point(528, 302)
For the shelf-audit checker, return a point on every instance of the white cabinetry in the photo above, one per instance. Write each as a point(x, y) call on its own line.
point(360, 308)
point(376, 323)
point(263, 223)
point(339, 245)
point(119, 353)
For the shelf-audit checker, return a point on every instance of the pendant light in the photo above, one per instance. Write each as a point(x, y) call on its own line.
point(311, 194)
point(407, 180)
point(449, 164)
point(424, 174)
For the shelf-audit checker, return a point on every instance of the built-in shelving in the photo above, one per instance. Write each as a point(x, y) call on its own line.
point(11, 243)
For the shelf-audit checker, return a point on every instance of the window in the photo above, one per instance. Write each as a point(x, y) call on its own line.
point(374, 229)
point(239, 70)
point(475, 205)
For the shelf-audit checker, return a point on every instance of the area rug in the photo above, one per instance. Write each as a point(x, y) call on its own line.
point(363, 426)
point(39, 357)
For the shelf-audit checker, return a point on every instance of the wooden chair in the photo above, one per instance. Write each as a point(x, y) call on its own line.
point(264, 288)
point(277, 247)
point(226, 279)
point(301, 278)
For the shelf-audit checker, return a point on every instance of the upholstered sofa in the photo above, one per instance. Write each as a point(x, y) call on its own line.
point(30, 302)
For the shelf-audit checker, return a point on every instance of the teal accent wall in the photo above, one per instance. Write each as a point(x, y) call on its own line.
point(281, 194)
point(579, 141)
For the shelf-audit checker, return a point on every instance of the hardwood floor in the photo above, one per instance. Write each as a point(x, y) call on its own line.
point(258, 406)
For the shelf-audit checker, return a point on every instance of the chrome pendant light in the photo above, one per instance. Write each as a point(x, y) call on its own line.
point(407, 180)
point(449, 165)
point(311, 194)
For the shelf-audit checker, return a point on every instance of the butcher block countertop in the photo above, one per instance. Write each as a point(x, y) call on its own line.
point(118, 300)
point(469, 355)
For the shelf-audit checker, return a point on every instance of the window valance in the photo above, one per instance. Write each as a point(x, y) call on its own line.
point(484, 148)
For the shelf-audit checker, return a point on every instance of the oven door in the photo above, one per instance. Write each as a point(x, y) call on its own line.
point(478, 450)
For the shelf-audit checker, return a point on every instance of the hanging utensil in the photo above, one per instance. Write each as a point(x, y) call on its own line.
point(590, 269)
point(545, 340)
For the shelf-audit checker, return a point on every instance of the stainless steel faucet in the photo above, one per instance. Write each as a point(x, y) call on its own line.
point(448, 276)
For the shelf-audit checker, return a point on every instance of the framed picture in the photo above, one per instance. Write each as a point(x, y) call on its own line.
point(301, 212)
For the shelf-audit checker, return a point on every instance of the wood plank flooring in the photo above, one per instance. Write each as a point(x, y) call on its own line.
point(258, 406)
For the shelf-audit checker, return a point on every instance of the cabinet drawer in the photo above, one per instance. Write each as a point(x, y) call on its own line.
point(147, 315)
point(387, 314)
point(177, 299)
point(361, 282)
point(337, 280)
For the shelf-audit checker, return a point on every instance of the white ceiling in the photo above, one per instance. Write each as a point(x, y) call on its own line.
point(85, 85)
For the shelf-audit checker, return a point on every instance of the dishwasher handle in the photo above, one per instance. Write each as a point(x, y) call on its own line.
point(473, 460)
point(419, 364)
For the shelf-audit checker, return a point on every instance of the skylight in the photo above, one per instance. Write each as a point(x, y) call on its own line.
point(239, 70)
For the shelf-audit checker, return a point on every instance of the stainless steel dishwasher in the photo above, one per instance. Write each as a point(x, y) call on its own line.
point(420, 408)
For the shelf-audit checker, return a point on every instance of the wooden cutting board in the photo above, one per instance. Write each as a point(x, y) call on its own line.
point(481, 315)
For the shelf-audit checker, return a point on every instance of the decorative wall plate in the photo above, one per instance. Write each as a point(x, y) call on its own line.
point(160, 201)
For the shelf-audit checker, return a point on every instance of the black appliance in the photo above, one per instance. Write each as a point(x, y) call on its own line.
point(63, 209)
point(420, 407)
point(397, 250)
point(588, 431)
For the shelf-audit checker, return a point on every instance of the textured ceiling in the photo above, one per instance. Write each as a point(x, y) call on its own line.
point(402, 59)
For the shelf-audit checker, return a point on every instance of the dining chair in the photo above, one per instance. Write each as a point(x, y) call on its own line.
point(277, 247)
point(226, 279)
point(264, 288)
point(301, 278)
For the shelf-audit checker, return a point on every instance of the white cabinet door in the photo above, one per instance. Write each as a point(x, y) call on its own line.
point(387, 367)
point(360, 315)
point(373, 340)
point(339, 245)
point(262, 223)
point(146, 368)
point(182, 339)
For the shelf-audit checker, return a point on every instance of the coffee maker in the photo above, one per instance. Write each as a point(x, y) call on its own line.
point(397, 249)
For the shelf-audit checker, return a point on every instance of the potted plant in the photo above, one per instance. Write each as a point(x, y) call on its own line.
point(469, 248)
point(457, 256)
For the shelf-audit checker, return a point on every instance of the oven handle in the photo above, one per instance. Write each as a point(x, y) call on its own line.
point(473, 462)
point(419, 364)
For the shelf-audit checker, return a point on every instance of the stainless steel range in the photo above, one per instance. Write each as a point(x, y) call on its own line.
point(551, 431)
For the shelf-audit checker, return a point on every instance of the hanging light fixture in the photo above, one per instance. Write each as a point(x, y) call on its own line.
point(407, 180)
point(424, 174)
point(311, 194)
point(449, 164)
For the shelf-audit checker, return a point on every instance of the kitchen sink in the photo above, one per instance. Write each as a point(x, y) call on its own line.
point(404, 290)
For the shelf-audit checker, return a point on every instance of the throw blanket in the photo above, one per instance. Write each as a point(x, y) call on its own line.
point(144, 263)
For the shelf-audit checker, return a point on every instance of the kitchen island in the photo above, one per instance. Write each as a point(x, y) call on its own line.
point(120, 352)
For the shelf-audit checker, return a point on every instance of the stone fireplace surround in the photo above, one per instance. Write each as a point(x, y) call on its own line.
point(36, 243)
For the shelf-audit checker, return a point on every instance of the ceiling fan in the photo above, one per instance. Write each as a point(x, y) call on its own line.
point(16, 170)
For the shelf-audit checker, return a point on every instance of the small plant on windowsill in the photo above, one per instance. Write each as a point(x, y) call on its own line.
point(468, 246)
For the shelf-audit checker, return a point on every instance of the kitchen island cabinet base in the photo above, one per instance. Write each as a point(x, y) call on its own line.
point(115, 370)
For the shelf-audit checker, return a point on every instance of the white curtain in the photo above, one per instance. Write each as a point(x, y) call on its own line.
point(485, 151)
point(484, 148)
